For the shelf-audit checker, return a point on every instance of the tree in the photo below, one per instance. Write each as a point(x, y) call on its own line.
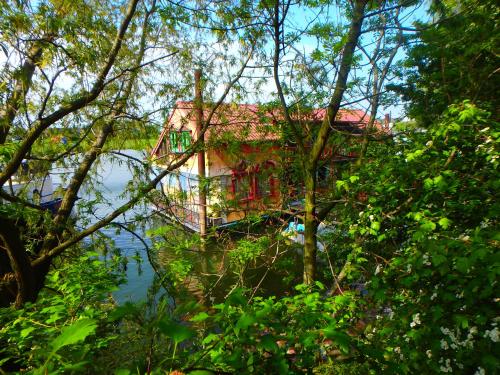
point(453, 58)
point(45, 53)
point(424, 239)
point(338, 55)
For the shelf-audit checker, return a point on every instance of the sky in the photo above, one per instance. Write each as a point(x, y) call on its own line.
point(217, 54)
point(300, 20)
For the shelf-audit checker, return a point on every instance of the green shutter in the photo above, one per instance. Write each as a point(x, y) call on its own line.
point(185, 140)
point(174, 141)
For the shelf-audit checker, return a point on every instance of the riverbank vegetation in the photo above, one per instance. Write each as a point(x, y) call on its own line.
point(407, 280)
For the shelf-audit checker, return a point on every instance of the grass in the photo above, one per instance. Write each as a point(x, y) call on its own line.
point(140, 144)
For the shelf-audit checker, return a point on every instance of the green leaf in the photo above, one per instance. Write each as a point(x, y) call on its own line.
point(200, 317)
point(320, 285)
point(177, 332)
point(341, 339)
point(438, 259)
point(444, 222)
point(74, 333)
point(120, 312)
point(462, 264)
point(461, 320)
point(210, 338)
point(75, 366)
point(236, 298)
point(245, 321)
point(25, 332)
point(428, 226)
point(353, 179)
point(341, 184)
point(268, 342)
point(428, 183)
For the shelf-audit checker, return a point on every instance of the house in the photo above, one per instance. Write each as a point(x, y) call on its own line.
point(241, 166)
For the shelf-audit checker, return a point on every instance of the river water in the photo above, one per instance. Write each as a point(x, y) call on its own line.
point(208, 275)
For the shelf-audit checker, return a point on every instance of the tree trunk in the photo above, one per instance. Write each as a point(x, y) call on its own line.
point(311, 221)
point(24, 76)
point(202, 195)
point(18, 280)
point(311, 226)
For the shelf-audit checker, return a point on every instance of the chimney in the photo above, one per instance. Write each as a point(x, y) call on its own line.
point(387, 121)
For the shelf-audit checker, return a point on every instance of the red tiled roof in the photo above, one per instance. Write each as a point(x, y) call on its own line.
point(248, 122)
point(243, 122)
point(254, 122)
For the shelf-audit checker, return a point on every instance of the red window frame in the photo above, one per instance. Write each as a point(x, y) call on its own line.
point(252, 177)
point(238, 176)
point(269, 164)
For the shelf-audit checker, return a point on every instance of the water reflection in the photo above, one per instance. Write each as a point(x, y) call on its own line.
point(186, 270)
point(214, 273)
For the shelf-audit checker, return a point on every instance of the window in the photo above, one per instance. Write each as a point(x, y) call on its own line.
point(258, 183)
point(265, 180)
point(179, 141)
point(264, 185)
point(243, 185)
point(323, 174)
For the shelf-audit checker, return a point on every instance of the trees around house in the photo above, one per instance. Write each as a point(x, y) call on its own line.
point(82, 66)
point(332, 76)
point(421, 244)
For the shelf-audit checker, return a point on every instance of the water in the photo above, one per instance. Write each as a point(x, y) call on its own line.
point(110, 178)
point(208, 275)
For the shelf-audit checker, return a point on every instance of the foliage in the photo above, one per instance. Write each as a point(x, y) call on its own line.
point(50, 334)
point(271, 335)
point(424, 241)
point(416, 231)
point(429, 231)
point(454, 58)
point(247, 252)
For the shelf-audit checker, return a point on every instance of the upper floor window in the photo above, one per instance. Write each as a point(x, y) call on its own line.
point(179, 141)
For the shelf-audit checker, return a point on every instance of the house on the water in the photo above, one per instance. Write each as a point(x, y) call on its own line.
point(244, 161)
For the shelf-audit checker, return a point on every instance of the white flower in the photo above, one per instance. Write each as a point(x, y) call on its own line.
point(416, 320)
point(492, 334)
point(425, 260)
point(445, 331)
point(434, 295)
point(480, 371)
point(447, 367)
point(429, 354)
point(444, 344)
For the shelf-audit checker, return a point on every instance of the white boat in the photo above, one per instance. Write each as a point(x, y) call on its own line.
point(40, 191)
point(295, 232)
